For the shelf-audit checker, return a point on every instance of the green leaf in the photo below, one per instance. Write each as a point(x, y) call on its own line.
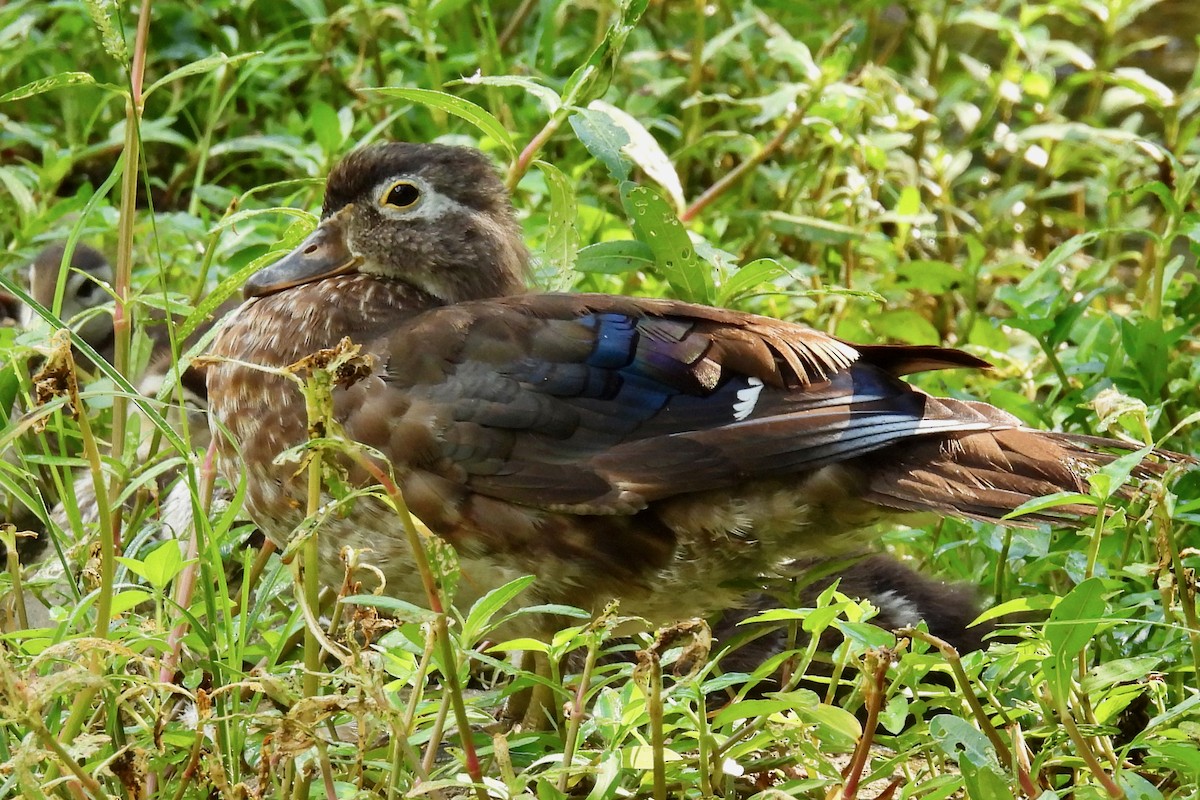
point(590, 79)
point(1074, 620)
point(615, 258)
point(1057, 256)
point(9, 386)
point(1019, 605)
point(48, 84)
point(645, 151)
point(562, 236)
point(1070, 629)
point(162, 564)
point(674, 255)
point(326, 127)
point(641, 756)
point(479, 618)
point(934, 277)
point(985, 783)
point(747, 709)
point(962, 741)
point(749, 278)
point(1156, 93)
point(463, 109)
point(719, 42)
point(1121, 670)
point(907, 326)
point(207, 64)
point(525, 644)
point(908, 206)
point(130, 599)
point(22, 197)
point(1111, 477)
point(400, 609)
point(1055, 500)
point(548, 98)
point(812, 229)
point(603, 139)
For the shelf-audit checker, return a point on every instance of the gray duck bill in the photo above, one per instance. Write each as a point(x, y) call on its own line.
point(322, 254)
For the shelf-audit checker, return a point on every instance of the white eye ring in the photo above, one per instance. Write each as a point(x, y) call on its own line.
point(401, 195)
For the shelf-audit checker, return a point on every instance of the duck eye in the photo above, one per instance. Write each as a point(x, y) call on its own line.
point(88, 290)
point(401, 194)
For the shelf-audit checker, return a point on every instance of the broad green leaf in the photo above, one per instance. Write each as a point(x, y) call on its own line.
point(603, 139)
point(748, 709)
point(962, 741)
point(615, 258)
point(1120, 670)
point(788, 50)
point(674, 255)
point(463, 109)
point(934, 277)
point(1111, 477)
point(749, 278)
point(130, 599)
point(895, 713)
point(160, 566)
point(1156, 93)
point(835, 728)
point(905, 325)
point(641, 756)
point(1136, 787)
point(908, 206)
point(1184, 756)
point(525, 644)
point(562, 235)
point(1069, 630)
point(479, 618)
point(645, 151)
point(1064, 319)
point(1019, 605)
point(325, 126)
point(985, 783)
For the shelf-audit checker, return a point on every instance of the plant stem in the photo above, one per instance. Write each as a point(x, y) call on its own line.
point(576, 714)
point(729, 179)
point(442, 628)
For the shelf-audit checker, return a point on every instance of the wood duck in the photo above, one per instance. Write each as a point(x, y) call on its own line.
point(86, 290)
point(650, 450)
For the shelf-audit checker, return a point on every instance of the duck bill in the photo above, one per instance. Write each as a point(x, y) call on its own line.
point(322, 254)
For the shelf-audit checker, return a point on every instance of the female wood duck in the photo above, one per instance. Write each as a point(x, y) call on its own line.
point(651, 450)
point(84, 289)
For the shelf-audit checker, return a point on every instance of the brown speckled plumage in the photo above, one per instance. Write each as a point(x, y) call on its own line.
point(650, 450)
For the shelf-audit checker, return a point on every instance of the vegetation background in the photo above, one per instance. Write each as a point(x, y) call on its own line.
point(1018, 179)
